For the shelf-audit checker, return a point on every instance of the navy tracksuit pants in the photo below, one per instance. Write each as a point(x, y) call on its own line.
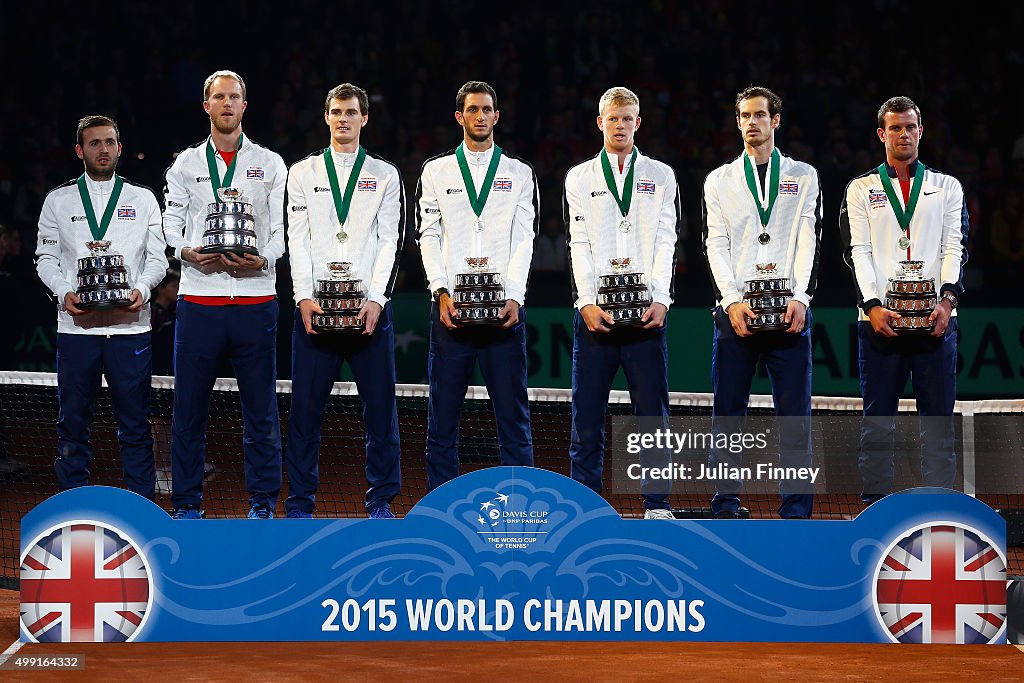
point(127, 362)
point(316, 364)
point(787, 358)
point(453, 356)
point(885, 365)
point(247, 336)
point(596, 357)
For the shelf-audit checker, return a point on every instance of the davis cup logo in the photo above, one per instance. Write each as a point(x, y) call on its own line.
point(498, 510)
point(84, 582)
point(491, 510)
point(941, 583)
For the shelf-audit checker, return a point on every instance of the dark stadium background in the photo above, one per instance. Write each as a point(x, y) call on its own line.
point(833, 64)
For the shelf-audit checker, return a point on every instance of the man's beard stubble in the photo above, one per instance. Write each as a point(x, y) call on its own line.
point(218, 124)
point(479, 138)
point(101, 174)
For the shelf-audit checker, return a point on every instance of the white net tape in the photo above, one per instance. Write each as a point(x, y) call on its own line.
point(676, 398)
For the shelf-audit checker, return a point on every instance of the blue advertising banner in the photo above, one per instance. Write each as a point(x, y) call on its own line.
point(513, 554)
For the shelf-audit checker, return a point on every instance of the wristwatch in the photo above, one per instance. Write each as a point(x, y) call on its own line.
point(436, 294)
point(951, 298)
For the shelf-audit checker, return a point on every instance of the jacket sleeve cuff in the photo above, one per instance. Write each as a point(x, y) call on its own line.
point(585, 301)
point(729, 299)
point(516, 294)
point(61, 296)
point(437, 284)
point(378, 298)
point(663, 299)
point(869, 304)
point(144, 291)
point(952, 287)
point(803, 298)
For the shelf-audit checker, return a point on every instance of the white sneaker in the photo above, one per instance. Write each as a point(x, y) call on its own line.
point(659, 514)
point(163, 481)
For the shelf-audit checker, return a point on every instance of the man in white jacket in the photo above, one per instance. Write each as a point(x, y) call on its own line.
point(620, 204)
point(476, 201)
point(101, 205)
point(902, 211)
point(344, 204)
point(762, 210)
point(227, 304)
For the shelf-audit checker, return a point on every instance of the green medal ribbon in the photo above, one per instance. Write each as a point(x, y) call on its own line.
point(343, 204)
point(627, 187)
point(98, 230)
point(211, 163)
point(902, 217)
point(477, 202)
point(773, 185)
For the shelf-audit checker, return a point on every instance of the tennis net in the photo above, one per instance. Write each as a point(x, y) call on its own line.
point(989, 436)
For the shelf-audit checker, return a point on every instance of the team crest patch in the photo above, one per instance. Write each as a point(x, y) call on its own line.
point(367, 185)
point(789, 187)
point(645, 187)
point(502, 185)
point(254, 173)
point(126, 213)
point(877, 198)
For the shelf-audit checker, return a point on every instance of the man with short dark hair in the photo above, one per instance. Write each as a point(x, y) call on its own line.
point(904, 211)
point(102, 206)
point(476, 201)
point(762, 220)
point(228, 305)
point(620, 206)
point(360, 220)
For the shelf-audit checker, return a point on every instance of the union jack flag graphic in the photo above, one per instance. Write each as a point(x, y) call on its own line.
point(942, 583)
point(126, 212)
point(254, 173)
point(84, 582)
point(503, 185)
point(789, 187)
point(645, 187)
point(877, 197)
point(367, 185)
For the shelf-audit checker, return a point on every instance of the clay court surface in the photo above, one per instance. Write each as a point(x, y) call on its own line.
point(518, 661)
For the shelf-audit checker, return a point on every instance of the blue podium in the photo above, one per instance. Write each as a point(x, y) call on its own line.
point(513, 554)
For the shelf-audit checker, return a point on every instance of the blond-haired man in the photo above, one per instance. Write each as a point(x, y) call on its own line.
point(618, 205)
point(228, 303)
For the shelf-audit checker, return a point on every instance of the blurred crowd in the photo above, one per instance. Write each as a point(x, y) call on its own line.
point(144, 64)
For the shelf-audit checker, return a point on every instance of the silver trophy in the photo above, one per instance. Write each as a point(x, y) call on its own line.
point(478, 295)
point(768, 296)
point(340, 297)
point(623, 294)
point(230, 226)
point(912, 295)
point(102, 279)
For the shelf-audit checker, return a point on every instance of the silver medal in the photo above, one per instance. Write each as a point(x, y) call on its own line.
point(904, 242)
point(764, 238)
point(342, 236)
point(625, 225)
